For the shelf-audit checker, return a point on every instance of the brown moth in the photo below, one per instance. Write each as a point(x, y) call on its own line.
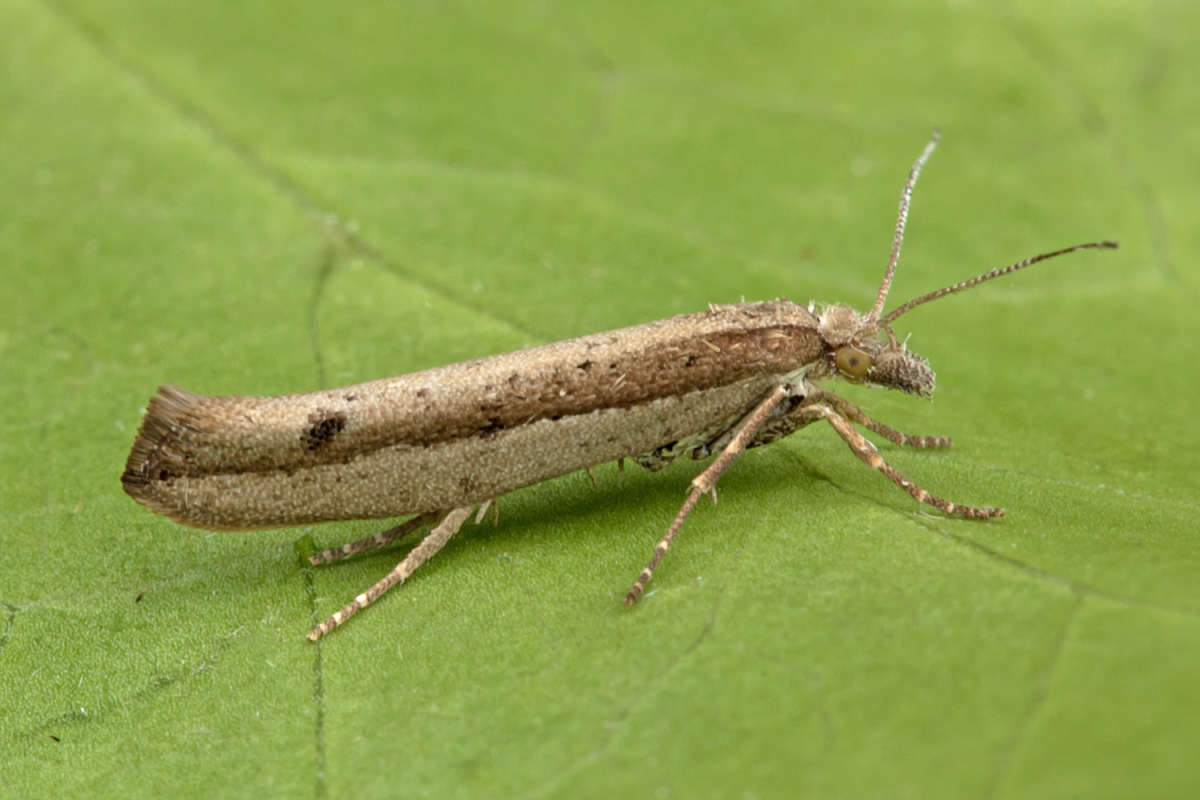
point(442, 442)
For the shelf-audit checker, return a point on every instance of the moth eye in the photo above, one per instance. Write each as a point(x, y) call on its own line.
point(853, 362)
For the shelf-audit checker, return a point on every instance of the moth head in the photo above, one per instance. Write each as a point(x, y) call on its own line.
point(859, 350)
point(863, 347)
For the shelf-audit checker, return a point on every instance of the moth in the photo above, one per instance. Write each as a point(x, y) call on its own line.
point(440, 443)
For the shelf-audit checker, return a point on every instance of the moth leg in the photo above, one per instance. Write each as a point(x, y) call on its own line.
point(870, 456)
point(381, 539)
point(427, 549)
point(706, 482)
point(857, 415)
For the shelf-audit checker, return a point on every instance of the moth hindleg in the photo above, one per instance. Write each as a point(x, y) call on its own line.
point(434, 541)
point(381, 539)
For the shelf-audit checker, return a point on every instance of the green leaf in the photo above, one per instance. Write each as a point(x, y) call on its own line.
point(266, 198)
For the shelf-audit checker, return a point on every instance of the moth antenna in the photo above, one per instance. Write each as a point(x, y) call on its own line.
point(987, 276)
point(901, 220)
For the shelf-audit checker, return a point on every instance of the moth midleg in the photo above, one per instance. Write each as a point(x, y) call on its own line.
point(857, 415)
point(706, 481)
point(381, 539)
point(427, 549)
point(870, 456)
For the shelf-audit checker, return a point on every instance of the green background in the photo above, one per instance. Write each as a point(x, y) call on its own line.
point(272, 197)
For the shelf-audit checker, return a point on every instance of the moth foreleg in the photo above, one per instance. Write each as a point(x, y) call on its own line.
point(706, 481)
point(788, 420)
point(429, 546)
point(857, 415)
point(870, 456)
point(381, 539)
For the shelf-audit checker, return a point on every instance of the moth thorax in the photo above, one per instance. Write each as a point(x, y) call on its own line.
point(839, 324)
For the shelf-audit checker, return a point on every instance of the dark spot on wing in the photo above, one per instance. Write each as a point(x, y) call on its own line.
point(324, 427)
